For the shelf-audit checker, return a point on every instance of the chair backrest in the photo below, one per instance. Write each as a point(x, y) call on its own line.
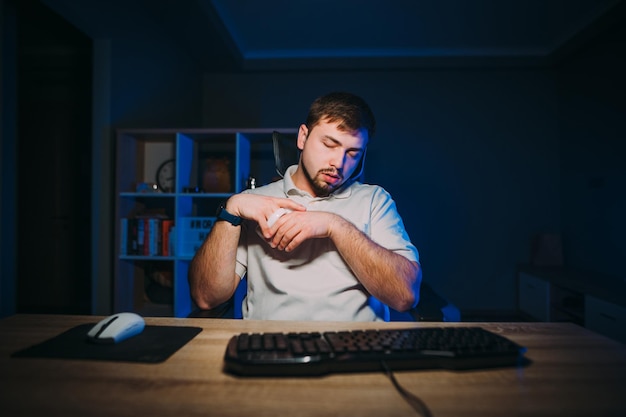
point(286, 152)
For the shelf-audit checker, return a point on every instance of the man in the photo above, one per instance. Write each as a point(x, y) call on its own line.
point(339, 244)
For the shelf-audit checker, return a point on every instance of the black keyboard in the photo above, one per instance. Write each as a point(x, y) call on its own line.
point(312, 353)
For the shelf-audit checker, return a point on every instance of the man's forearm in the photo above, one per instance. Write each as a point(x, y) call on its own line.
point(212, 279)
point(390, 277)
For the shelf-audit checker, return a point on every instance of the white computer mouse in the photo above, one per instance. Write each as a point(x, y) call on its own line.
point(116, 328)
point(273, 219)
point(277, 215)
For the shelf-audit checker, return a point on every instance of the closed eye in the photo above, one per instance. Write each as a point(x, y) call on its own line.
point(332, 143)
point(329, 143)
point(354, 153)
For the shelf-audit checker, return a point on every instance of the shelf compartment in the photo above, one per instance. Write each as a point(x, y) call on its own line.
point(208, 162)
point(135, 279)
point(139, 155)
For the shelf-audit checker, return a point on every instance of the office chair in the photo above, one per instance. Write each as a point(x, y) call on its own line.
point(431, 306)
point(286, 152)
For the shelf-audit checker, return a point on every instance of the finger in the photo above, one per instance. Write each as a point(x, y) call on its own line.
point(268, 224)
point(283, 234)
point(294, 234)
point(292, 205)
point(277, 215)
point(294, 242)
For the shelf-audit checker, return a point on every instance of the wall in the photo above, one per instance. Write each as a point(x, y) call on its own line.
point(150, 83)
point(471, 157)
point(153, 84)
point(592, 107)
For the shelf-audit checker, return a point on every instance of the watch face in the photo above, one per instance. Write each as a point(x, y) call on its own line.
point(166, 175)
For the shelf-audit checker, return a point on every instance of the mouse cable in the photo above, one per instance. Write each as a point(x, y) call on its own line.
point(412, 399)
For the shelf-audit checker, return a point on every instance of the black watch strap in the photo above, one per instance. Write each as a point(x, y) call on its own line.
point(222, 214)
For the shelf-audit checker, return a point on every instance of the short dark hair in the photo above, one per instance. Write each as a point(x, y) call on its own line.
point(351, 111)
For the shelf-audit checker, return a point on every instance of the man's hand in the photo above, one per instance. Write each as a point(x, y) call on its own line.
point(291, 229)
point(388, 276)
point(212, 277)
point(260, 208)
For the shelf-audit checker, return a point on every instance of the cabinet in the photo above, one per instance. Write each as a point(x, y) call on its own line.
point(605, 318)
point(586, 298)
point(534, 297)
point(205, 167)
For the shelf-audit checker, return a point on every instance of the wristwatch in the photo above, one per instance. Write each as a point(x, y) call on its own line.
point(222, 214)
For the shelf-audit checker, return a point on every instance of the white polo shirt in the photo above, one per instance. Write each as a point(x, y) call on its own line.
point(313, 282)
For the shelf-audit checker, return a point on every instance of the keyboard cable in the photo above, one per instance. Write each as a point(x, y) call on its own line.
point(412, 399)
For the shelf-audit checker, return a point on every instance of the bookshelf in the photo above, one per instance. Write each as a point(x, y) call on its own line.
point(208, 166)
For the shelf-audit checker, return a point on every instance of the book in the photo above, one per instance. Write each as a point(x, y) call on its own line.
point(141, 236)
point(133, 236)
point(153, 246)
point(166, 227)
point(146, 236)
point(193, 231)
point(124, 237)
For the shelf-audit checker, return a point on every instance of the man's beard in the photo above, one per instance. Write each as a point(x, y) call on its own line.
point(321, 187)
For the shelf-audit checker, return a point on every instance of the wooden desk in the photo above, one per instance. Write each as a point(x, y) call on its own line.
point(574, 373)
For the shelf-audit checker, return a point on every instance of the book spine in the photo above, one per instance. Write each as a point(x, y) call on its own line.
point(166, 227)
point(173, 246)
point(154, 237)
point(141, 236)
point(134, 237)
point(146, 237)
point(158, 237)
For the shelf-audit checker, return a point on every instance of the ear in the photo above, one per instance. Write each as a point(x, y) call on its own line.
point(303, 132)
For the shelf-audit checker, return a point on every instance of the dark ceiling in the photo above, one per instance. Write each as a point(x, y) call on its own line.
point(252, 35)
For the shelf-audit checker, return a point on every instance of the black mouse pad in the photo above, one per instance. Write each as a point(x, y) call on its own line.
point(155, 344)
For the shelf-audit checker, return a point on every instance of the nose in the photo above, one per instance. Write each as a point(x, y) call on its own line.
point(338, 159)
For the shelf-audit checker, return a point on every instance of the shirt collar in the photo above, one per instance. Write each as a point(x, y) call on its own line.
point(291, 190)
